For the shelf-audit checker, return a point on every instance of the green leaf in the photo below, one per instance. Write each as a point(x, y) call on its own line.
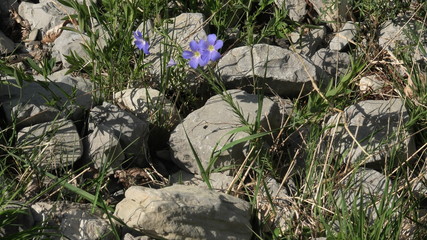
point(88, 196)
point(34, 65)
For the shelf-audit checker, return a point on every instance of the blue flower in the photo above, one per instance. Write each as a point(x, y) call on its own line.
point(213, 46)
point(140, 42)
point(198, 55)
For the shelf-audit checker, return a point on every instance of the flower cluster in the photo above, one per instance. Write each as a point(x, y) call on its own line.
point(203, 51)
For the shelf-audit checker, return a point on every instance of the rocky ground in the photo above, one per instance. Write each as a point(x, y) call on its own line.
point(154, 181)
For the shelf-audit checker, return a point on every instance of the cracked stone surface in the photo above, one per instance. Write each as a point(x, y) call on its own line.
point(208, 126)
point(284, 71)
point(51, 145)
point(185, 212)
point(372, 123)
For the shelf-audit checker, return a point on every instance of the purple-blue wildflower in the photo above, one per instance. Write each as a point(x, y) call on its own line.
point(213, 45)
point(141, 43)
point(198, 54)
point(171, 63)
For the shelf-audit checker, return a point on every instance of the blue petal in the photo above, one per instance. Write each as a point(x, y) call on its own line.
point(194, 46)
point(211, 39)
point(138, 44)
point(194, 62)
point(218, 44)
point(204, 58)
point(215, 55)
point(145, 48)
point(137, 34)
point(203, 45)
point(187, 54)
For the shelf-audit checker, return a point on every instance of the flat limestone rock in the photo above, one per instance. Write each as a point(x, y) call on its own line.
point(73, 221)
point(397, 34)
point(44, 15)
point(44, 101)
point(51, 145)
point(377, 125)
point(185, 212)
point(208, 126)
point(333, 64)
point(285, 72)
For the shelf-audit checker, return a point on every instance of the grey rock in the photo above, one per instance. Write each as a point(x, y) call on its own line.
point(129, 236)
point(296, 8)
point(145, 104)
point(331, 64)
point(185, 212)
point(51, 145)
point(181, 30)
point(20, 218)
point(6, 45)
point(307, 43)
point(105, 150)
point(27, 114)
point(218, 181)
point(395, 34)
point(44, 15)
point(44, 101)
point(370, 83)
point(132, 131)
point(208, 126)
point(332, 12)
point(377, 125)
point(275, 196)
point(343, 37)
point(74, 221)
point(419, 183)
point(284, 71)
point(363, 190)
point(69, 42)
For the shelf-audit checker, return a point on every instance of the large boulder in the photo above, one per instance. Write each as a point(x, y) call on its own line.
point(331, 64)
point(404, 34)
point(207, 129)
point(130, 130)
point(72, 221)
point(185, 212)
point(44, 15)
point(43, 101)
point(52, 145)
point(375, 131)
point(285, 72)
